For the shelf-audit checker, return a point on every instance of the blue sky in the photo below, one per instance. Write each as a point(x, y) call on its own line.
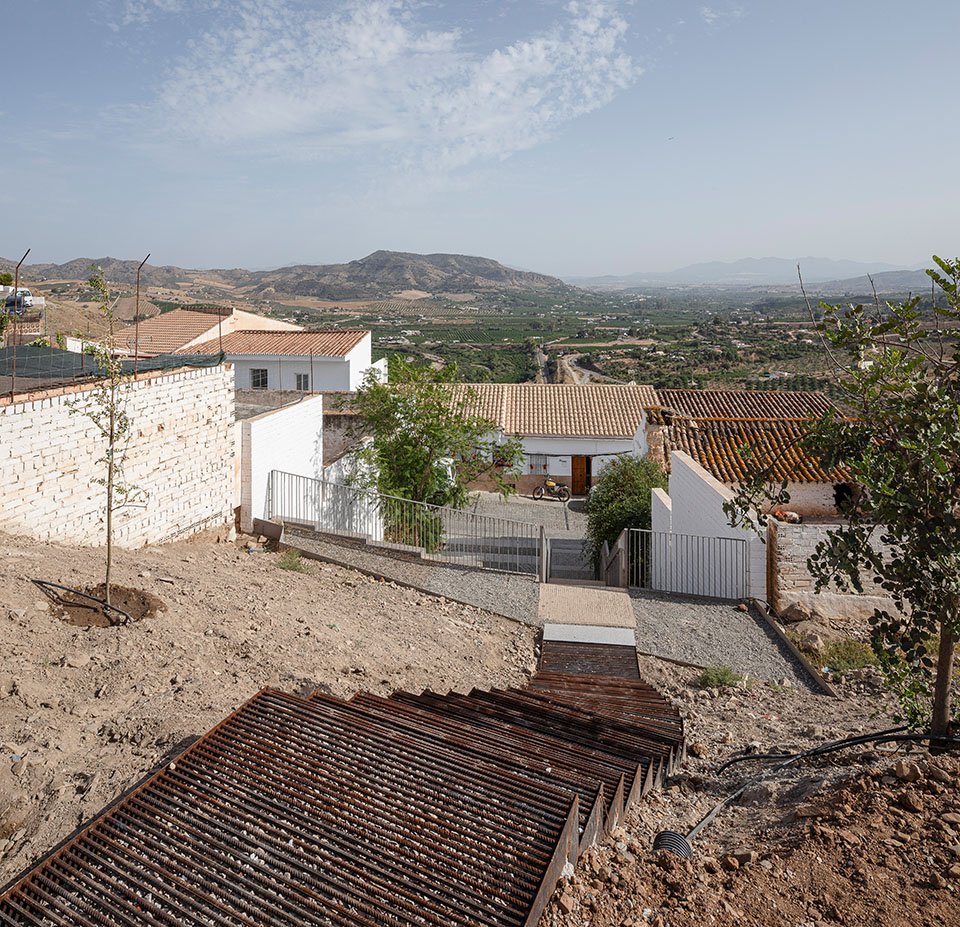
point(583, 137)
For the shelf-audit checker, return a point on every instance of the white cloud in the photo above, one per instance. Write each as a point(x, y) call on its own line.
point(711, 15)
point(282, 79)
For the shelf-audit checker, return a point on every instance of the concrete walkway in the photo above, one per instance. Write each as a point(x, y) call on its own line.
point(586, 615)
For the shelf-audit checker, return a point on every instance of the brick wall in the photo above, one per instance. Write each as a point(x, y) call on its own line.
point(181, 453)
point(793, 545)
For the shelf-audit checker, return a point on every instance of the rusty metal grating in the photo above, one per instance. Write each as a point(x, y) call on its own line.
point(414, 810)
point(592, 659)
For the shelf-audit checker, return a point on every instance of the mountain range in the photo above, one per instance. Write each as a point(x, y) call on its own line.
point(747, 272)
point(379, 274)
point(389, 273)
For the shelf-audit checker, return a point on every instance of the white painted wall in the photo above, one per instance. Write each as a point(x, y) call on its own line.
point(696, 510)
point(288, 439)
point(325, 374)
point(559, 451)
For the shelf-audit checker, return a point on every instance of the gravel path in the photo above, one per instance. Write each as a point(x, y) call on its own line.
point(506, 594)
point(712, 634)
point(561, 520)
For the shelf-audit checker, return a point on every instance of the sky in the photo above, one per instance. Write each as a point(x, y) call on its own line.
point(570, 137)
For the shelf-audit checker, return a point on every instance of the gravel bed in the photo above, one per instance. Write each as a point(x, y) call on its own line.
point(713, 634)
point(512, 596)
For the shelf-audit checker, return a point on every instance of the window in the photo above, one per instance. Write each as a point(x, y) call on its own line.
point(258, 378)
point(303, 381)
point(537, 463)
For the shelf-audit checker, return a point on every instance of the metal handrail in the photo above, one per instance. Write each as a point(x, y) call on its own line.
point(435, 532)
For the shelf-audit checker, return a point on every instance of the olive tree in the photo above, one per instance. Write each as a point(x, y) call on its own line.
point(898, 365)
point(427, 444)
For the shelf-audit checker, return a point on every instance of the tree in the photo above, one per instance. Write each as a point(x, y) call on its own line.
point(426, 445)
point(620, 498)
point(105, 406)
point(898, 367)
point(6, 278)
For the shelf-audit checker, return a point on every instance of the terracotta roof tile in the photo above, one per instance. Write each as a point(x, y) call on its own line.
point(609, 411)
point(329, 343)
point(734, 403)
point(169, 331)
point(717, 445)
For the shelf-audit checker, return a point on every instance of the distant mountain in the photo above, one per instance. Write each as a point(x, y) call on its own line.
point(895, 281)
point(380, 274)
point(746, 272)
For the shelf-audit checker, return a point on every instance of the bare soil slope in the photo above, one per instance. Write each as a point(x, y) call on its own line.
point(85, 712)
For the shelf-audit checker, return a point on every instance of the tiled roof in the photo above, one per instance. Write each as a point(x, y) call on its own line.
point(169, 331)
point(608, 411)
point(717, 445)
point(330, 343)
point(734, 403)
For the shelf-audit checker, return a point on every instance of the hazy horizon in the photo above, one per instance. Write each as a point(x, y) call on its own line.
point(586, 138)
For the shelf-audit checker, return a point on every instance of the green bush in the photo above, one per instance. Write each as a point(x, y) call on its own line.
point(620, 499)
point(291, 561)
point(717, 677)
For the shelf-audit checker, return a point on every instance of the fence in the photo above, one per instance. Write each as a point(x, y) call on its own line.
point(686, 564)
point(434, 532)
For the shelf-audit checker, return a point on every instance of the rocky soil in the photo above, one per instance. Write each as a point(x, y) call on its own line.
point(86, 712)
point(869, 836)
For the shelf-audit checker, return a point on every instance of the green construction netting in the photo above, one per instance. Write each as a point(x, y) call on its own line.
point(42, 363)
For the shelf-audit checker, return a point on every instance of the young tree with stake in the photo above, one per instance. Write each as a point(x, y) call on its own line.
point(105, 406)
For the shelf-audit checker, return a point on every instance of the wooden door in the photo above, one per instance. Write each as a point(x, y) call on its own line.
point(579, 478)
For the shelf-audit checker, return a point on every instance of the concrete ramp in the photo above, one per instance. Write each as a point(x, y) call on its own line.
point(587, 606)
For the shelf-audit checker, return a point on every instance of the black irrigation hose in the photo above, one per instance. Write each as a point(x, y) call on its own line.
point(679, 845)
point(813, 751)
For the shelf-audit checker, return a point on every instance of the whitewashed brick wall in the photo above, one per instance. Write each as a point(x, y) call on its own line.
point(288, 439)
point(180, 453)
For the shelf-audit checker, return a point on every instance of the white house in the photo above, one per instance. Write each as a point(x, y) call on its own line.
point(333, 360)
point(569, 432)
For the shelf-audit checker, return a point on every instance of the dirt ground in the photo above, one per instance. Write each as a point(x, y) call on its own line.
point(832, 840)
point(851, 838)
point(86, 712)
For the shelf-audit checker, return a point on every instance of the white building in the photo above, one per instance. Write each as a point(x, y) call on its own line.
point(318, 361)
point(569, 432)
point(714, 427)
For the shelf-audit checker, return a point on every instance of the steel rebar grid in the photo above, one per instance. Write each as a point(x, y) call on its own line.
point(292, 813)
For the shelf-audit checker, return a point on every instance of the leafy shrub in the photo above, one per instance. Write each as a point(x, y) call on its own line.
point(291, 560)
point(842, 656)
point(717, 677)
point(620, 498)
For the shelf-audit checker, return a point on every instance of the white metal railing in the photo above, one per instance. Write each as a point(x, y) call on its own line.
point(687, 564)
point(433, 531)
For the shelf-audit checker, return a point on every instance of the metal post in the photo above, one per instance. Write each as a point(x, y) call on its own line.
point(544, 566)
point(16, 287)
point(136, 321)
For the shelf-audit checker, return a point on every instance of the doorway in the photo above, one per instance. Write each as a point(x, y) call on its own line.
point(579, 475)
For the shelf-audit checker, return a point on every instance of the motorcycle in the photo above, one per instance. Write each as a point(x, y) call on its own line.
point(553, 488)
